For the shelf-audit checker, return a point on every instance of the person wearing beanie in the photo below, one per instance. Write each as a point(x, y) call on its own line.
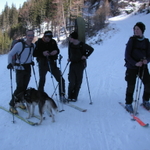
point(141, 26)
point(78, 52)
point(46, 52)
point(137, 57)
point(74, 35)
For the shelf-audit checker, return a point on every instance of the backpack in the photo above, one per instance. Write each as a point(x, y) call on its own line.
point(17, 55)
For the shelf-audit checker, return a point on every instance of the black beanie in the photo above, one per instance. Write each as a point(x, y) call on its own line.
point(74, 35)
point(48, 33)
point(141, 26)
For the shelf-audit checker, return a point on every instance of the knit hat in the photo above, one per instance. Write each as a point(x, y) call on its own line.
point(74, 35)
point(48, 33)
point(141, 26)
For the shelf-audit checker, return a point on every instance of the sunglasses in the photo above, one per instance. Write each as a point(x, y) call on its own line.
point(46, 36)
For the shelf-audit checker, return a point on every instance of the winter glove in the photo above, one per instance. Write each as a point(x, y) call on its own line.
point(32, 63)
point(10, 66)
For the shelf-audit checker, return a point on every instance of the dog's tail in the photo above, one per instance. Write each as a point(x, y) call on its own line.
point(51, 104)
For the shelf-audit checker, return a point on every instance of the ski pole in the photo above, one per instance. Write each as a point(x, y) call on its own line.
point(62, 75)
point(34, 76)
point(140, 87)
point(49, 66)
point(12, 91)
point(52, 80)
point(137, 89)
point(60, 58)
point(88, 86)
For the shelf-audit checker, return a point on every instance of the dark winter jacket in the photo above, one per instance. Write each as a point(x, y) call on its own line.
point(42, 46)
point(77, 51)
point(136, 50)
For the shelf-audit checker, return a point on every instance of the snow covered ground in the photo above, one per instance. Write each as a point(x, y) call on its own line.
point(105, 125)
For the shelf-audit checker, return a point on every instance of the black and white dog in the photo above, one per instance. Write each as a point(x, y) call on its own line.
point(34, 97)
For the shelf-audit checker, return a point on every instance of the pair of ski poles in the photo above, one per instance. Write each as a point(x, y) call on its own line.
point(55, 87)
point(138, 88)
point(62, 75)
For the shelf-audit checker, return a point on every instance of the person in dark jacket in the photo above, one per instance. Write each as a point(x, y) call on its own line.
point(78, 53)
point(137, 56)
point(47, 52)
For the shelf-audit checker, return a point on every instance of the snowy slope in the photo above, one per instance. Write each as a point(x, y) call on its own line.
point(105, 125)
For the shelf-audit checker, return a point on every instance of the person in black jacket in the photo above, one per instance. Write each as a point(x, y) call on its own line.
point(137, 56)
point(78, 52)
point(47, 52)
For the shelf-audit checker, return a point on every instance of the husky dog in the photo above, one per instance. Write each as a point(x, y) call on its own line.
point(34, 97)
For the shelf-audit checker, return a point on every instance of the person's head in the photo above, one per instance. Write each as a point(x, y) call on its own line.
point(47, 36)
point(29, 35)
point(139, 29)
point(73, 36)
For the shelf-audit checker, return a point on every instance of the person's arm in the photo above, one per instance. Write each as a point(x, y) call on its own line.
point(148, 52)
point(55, 50)
point(128, 52)
point(88, 50)
point(38, 50)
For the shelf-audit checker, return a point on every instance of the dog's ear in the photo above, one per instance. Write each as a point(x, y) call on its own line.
point(18, 96)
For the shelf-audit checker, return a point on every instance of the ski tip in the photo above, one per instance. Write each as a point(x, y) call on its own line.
point(34, 124)
point(61, 110)
point(84, 110)
point(146, 125)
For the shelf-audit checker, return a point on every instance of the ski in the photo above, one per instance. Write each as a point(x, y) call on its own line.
point(18, 116)
point(76, 107)
point(144, 108)
point(138, 120)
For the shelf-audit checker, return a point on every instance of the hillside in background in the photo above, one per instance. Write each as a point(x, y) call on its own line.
point(59, 17)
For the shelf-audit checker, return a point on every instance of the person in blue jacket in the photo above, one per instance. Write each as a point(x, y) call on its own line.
point(137, 56)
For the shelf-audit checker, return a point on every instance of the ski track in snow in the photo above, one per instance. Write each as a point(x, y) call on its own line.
point(105, 125)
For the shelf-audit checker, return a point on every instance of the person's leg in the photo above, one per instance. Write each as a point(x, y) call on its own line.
point(71, 79)
point(79, 76)
point(130, 77)
point(57, 75)
point(42, 75)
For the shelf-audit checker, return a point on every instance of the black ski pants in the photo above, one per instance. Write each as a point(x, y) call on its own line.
point(44, 67)
point(22, 81)
point(75, 79)
point(131, 77)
